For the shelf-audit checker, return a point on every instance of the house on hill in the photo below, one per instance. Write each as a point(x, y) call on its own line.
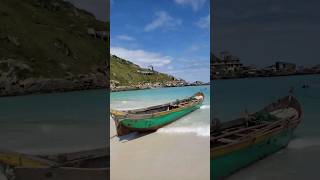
point(226, 64)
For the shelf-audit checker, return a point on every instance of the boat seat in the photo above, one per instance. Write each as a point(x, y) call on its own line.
point(240, 134)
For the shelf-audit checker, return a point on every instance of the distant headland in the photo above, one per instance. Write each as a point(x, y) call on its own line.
point(125, 75)
point(228, 66)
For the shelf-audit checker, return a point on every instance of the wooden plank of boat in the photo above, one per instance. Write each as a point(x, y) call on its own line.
point(241, 135)
point(270, 130)
point(251, 129)
point(226, 140)
point(77, 156)
point(155, 117)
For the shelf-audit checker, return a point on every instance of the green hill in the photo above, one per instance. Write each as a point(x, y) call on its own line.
point(127, 73)
point(50, 45)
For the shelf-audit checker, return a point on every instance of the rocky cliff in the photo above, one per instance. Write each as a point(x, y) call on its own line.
point(50, 45)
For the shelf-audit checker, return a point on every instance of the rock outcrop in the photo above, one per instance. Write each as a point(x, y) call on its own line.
point(45, 47)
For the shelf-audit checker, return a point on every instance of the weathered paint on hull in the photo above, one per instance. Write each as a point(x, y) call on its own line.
point(61, 174)
point(227, 164)
point(157, 122)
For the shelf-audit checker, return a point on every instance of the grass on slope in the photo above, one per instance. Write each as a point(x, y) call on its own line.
point(126, 73)
point(52, 37)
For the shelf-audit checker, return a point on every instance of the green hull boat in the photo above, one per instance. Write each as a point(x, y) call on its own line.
point(241, 142)
point(155, 117)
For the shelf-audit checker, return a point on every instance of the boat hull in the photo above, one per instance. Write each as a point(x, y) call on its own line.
point(224, 165)
point(61, 173)
point(85, 165)
point(154, 123)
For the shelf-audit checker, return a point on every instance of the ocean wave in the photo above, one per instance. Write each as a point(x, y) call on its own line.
point(205, 107)
point(199, 131)
point(303, 143)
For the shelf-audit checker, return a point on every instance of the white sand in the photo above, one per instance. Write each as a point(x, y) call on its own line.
point(160, 156)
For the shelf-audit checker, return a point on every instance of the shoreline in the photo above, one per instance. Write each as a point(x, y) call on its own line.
point(151, 87)
point(86, 89)
point(272, 76)
point(51, 92)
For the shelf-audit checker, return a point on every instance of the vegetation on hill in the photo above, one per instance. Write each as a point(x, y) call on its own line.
point(127, 73)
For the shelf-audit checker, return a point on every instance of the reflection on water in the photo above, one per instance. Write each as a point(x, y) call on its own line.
point(48, 123)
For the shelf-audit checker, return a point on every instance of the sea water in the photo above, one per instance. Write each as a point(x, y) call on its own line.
point(231, 98)
point(197, 122)
point(54, 123)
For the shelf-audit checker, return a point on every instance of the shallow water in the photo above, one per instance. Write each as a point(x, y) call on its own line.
point(196, 122)
point(299, 160)
point(58, 122)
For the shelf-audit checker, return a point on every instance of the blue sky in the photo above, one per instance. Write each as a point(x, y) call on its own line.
point(171, 35)
point(265, 31)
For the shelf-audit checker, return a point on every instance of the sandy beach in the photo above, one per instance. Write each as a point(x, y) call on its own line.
point(159, 156)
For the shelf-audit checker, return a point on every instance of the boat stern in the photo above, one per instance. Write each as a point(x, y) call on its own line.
point(117, 116)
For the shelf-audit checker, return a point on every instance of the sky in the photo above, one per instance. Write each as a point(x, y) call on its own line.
point(171, 35)
point(261, 32)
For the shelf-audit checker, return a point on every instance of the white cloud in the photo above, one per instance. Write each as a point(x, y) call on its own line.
point(204, 22)
point(195, 4)
point(162, 19)
point(170, 67)
point(141, 57)
point(125, 37)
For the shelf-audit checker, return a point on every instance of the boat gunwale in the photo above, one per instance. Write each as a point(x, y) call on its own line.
point(263, 126)
point(249, 140)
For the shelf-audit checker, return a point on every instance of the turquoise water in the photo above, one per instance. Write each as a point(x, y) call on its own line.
point(300, 159)
point(196, 122)
point(58, 122)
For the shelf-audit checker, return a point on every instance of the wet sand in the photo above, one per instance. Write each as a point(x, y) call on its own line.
point(286, 164)
point(159, 156)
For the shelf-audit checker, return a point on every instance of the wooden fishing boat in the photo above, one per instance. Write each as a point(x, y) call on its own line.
point(84, 165)
point(238, 143)
point(155, 117)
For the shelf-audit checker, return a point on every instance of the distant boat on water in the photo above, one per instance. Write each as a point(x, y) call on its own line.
point(305, 86)
point(155, 117)
point(240, 142)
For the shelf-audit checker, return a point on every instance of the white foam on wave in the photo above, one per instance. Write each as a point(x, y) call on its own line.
point(302, 143)
point(199, 131)
point(205, 107)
